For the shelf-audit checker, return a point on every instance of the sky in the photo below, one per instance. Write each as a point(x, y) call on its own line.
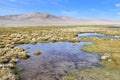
point(90, 9)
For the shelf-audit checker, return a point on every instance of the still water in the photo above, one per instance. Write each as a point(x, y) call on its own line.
point(57, 59)
point(88, 35)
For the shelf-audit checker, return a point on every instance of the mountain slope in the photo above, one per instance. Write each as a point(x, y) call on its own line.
point(37, 16)
point(37, 19)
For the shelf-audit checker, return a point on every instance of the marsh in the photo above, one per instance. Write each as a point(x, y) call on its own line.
point(56, 60)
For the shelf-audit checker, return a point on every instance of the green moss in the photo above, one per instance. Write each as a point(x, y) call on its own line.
point(103, 46)
point(19, 69)
point(68, 78)
point(17, 77)
point(93, 74)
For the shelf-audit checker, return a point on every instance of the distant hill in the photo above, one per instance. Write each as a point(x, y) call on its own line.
point(45, 19)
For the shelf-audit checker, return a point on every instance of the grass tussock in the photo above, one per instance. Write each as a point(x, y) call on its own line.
point(92, 74)
point(111, 64)
point(10, 37)
point(102, 46)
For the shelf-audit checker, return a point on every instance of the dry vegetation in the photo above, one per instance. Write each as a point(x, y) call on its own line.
point(10, 37)
point(109, 50)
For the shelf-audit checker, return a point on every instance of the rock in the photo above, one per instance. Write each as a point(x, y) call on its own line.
point(103, 57)
point(37, 53)
point(33, 41)
point(106, 56)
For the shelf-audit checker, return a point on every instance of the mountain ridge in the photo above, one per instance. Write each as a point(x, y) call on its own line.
point(42, 15)
point(40, 18)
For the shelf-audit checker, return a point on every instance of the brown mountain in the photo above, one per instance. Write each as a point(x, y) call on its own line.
point(37, 19)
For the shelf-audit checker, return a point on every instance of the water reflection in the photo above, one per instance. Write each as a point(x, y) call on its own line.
point(56, 60)
point(88, 35)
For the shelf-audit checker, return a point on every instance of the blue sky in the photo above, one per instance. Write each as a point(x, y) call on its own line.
point(103, 9)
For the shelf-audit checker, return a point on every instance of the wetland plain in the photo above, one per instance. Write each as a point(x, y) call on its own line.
point(60, 53)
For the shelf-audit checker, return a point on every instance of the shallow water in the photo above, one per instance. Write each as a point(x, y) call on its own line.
point(88, 35)
point(57, 59)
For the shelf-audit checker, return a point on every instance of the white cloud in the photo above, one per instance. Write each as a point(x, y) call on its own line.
point(12, 0)
point(117, 5)
point(118, 13)
point(25, 2)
